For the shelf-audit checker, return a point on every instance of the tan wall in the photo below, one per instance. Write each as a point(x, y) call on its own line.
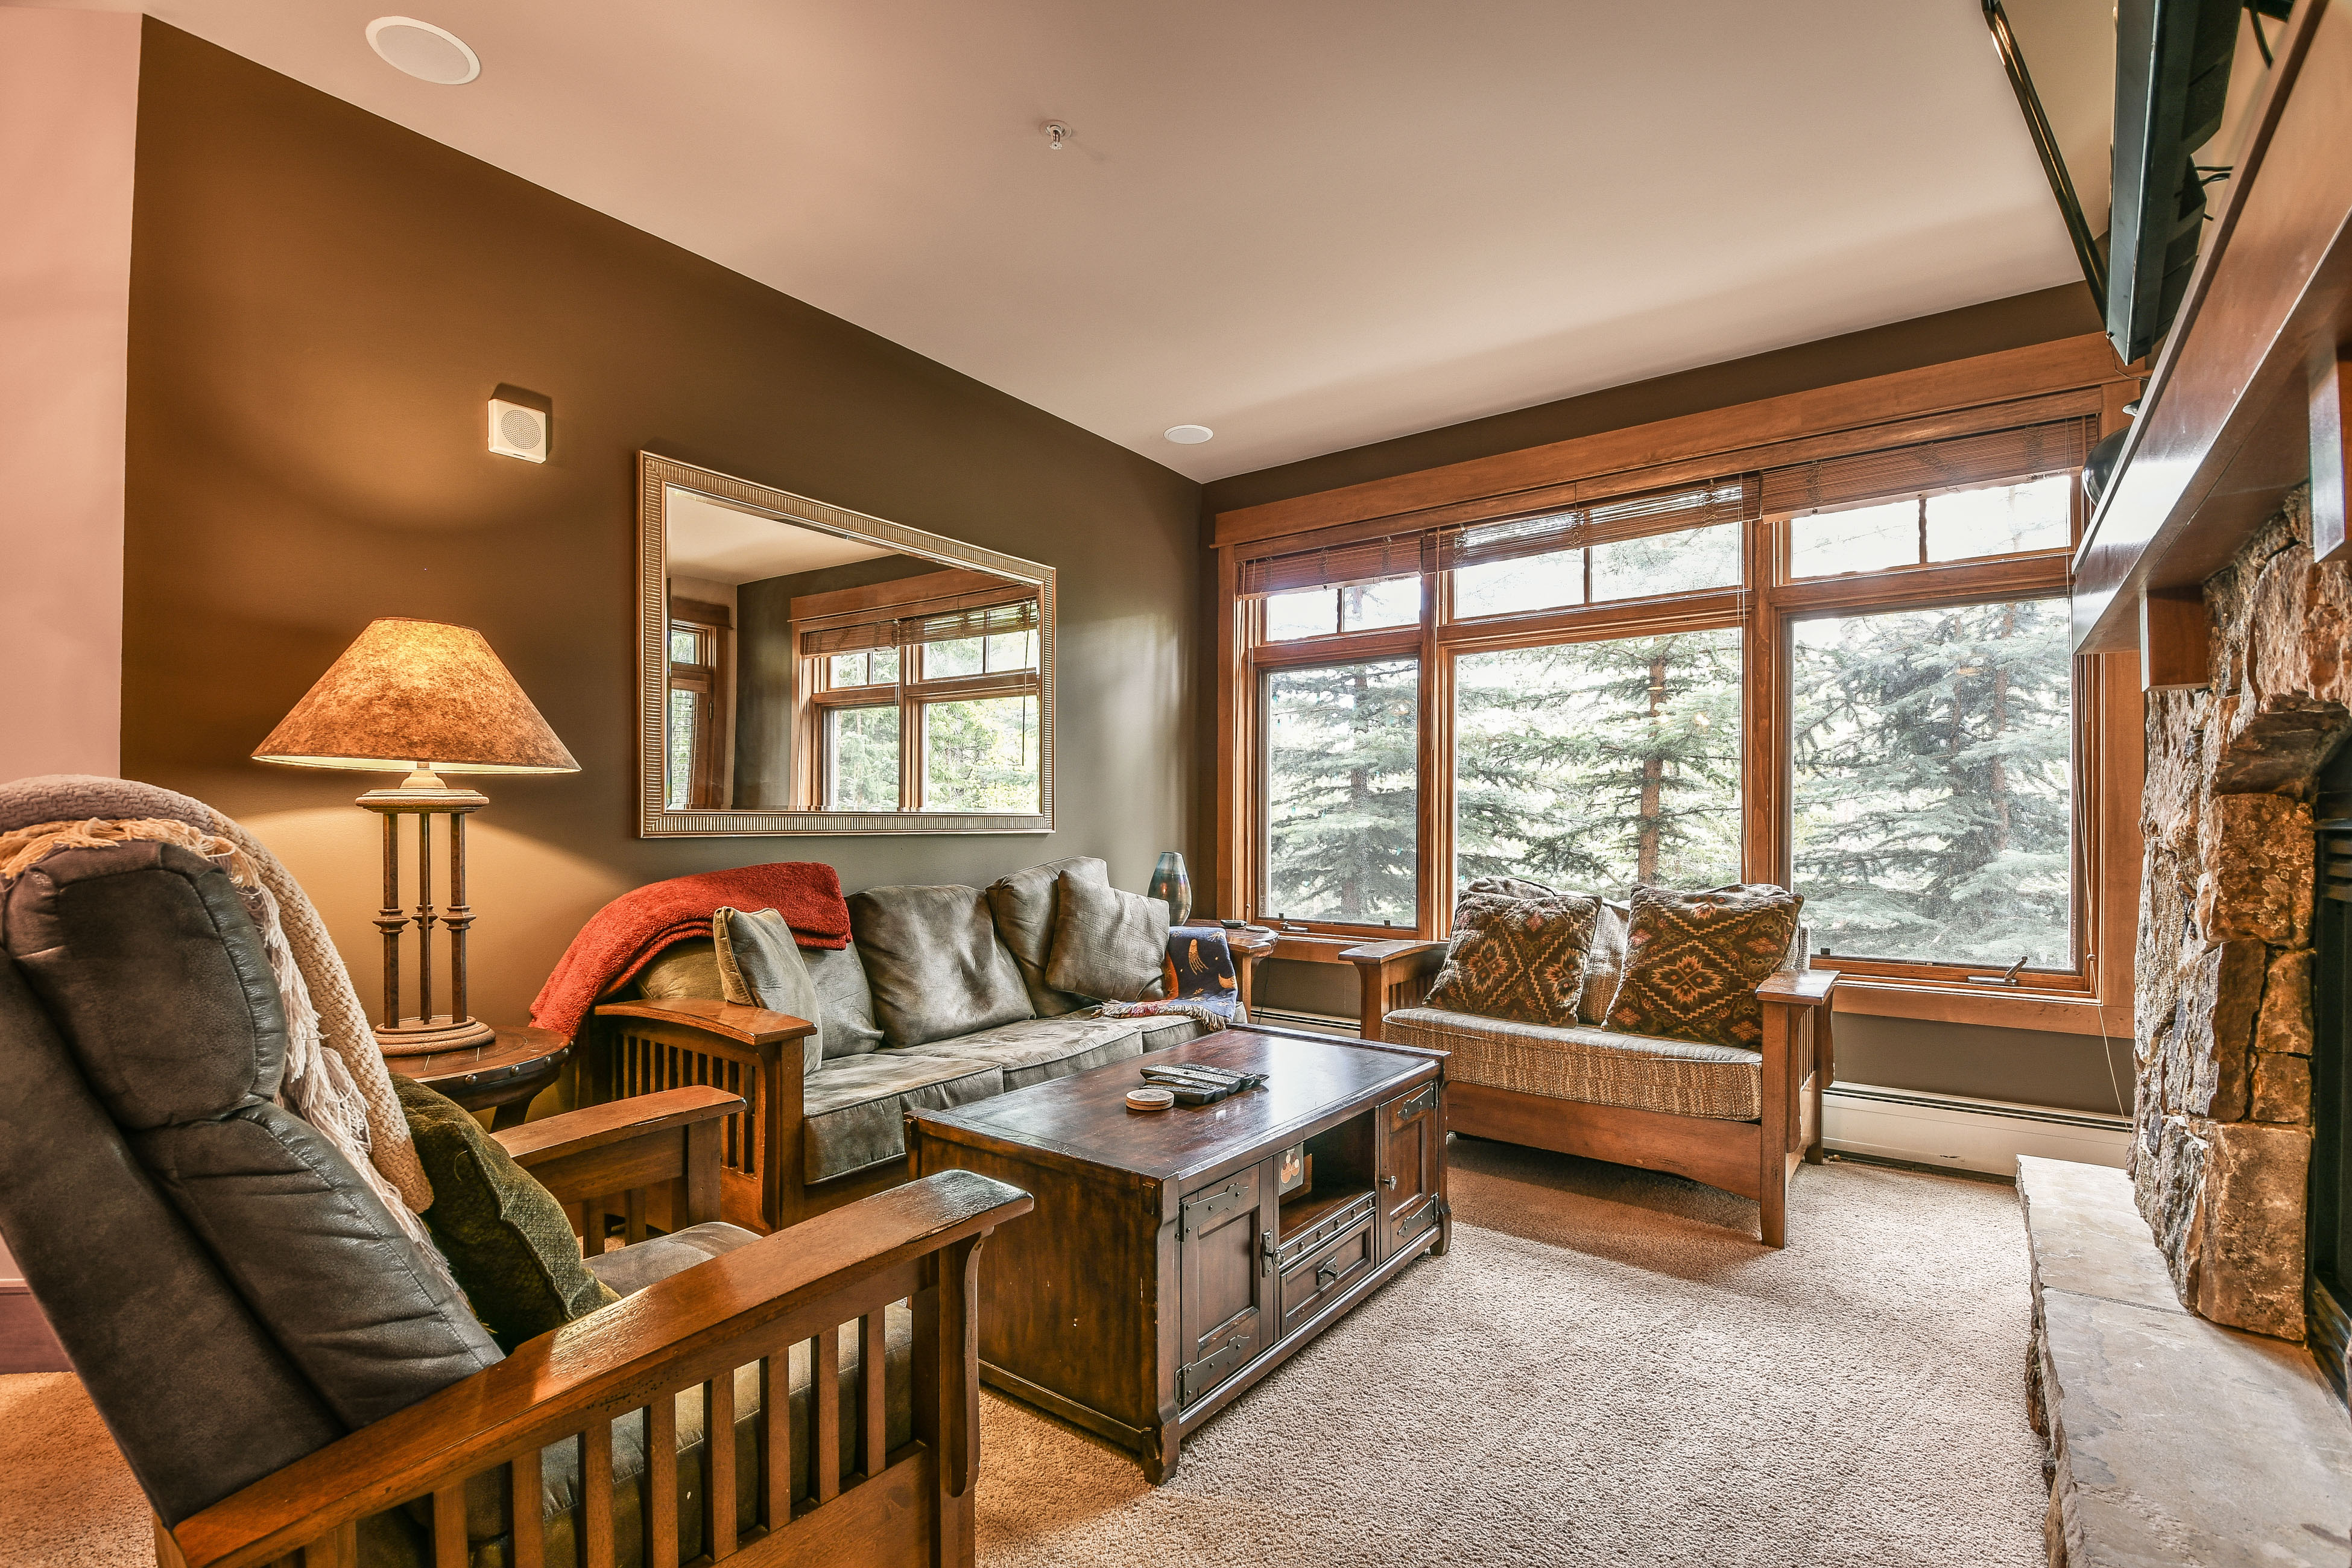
point(68, 109)
point(321, 304)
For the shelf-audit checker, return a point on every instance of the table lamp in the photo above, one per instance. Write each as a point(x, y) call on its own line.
point(423, 699)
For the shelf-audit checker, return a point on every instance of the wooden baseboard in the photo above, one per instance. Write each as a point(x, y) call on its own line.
point(27, 1342)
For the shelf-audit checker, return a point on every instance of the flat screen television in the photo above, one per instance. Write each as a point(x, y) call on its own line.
point(2172, 82)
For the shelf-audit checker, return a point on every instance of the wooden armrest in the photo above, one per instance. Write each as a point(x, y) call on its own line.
point(1797, 987)
point(606, 1363)
point(745, 1025)
point(1396, 948)
point(594, 1126)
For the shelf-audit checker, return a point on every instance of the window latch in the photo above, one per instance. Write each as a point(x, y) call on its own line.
point(2006, 978)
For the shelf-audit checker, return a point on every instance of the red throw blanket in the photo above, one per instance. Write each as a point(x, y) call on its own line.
point(632, 930)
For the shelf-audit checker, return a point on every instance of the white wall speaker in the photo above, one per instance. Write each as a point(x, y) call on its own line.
point(518, 432)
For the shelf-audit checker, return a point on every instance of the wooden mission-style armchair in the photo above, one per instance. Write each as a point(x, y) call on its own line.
point(1734, 1120)
point(293, 1385)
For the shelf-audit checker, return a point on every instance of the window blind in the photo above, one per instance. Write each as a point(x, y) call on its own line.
point(2031, 451)
point(1730, 499)
point(1365, 560)
point(947, 620)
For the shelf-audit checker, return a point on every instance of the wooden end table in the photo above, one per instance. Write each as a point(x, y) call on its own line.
point(501, 1077)
point(1163, 1269)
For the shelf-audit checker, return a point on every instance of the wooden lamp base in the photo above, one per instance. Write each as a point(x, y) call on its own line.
point(423, 1036)
point(423, 797)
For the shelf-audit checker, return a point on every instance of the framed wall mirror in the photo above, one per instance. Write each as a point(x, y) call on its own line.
point(805, 668)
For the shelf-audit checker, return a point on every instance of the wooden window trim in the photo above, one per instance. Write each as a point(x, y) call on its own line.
point(706, 789)
point(1942, 399)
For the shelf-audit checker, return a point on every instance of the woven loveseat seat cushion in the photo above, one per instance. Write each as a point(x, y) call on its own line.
point(1596, 1066)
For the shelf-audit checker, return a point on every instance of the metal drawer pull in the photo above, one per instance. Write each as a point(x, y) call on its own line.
point(1389, 1182)
point(1327, 1274)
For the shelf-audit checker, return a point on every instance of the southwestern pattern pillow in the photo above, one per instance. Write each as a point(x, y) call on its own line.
point(1693, 962)
point(1516, 958)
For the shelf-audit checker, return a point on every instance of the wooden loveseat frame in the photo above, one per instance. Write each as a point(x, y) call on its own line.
point(640, 1159)
point(1753, 1159)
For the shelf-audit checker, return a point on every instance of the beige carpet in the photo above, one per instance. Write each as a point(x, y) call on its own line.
point(1600, 1371)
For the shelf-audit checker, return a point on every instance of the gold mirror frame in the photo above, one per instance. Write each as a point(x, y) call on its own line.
point(656, 475)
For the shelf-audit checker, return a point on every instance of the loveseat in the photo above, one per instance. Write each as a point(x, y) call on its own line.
point(1725, 1115)
point(940, 999)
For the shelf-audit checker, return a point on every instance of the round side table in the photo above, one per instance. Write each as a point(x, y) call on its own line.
point(500, 1077)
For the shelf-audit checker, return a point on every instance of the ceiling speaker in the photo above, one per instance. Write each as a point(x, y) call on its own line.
point(518, 432)
point(425, 51)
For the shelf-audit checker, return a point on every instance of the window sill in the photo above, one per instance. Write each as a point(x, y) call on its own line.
point(2053, 1012)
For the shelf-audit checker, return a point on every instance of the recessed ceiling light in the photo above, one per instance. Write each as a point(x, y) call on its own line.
point(425, 51)
point(1188, 435)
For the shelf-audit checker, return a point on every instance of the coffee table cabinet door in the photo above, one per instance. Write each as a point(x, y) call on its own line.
point(1228, 1272)
point(1408, 1178)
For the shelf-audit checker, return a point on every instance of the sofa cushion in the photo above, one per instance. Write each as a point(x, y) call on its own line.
point(1107, 944)
point(935, 965)
point(506, 1237)
point(760, 965)
point(1035, 1049)
point(1025, 906)
point(1516, 957)
point(1693, 961)
point(843, 998)
point(629, 1269)
point(144, 956)
point(1595, 1067)
point(854, 1108)
point(686, 972)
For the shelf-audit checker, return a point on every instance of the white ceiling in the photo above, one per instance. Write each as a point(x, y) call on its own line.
point(720, 544)
point(1307, 224)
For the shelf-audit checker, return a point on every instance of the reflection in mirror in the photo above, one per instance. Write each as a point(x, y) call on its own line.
point(815, 670)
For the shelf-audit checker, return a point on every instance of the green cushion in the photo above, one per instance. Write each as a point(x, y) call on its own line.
point(504, 1235)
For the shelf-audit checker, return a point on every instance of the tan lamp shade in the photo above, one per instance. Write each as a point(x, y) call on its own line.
point(410, 692)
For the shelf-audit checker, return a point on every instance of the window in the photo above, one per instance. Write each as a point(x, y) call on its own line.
point(698, 705)
point(1931, 794)
point(1600, 765)
point(941, 713)
point(1342, 799)
point(1851, 677)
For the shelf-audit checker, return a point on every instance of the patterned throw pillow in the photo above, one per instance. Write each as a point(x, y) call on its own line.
point(1693, 962)
point(1516, 958)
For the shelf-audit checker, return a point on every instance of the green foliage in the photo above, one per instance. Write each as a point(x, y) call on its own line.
point(1933, 807)
point(982, 754)
point(1595, 765)
point(1341, 806)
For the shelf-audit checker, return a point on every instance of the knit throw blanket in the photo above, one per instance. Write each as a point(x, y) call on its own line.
point(632, 930)
point(335, 1077)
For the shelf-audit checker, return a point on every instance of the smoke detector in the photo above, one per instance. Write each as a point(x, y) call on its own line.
point(1188, 435)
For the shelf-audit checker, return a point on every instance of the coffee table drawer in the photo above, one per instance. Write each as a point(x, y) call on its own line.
point(1325, 1273)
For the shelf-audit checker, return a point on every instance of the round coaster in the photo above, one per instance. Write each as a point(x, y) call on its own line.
point(1149, 1098)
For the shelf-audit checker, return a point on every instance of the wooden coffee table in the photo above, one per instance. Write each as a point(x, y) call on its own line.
point(1164, 1270)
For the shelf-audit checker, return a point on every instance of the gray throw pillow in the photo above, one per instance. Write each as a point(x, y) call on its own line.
point(934, 963)
point(1025, 906)
point(760, 965)
point(1107, 942)
point(843, 997)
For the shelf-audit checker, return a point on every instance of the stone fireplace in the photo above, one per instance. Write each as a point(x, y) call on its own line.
point(2224, 970)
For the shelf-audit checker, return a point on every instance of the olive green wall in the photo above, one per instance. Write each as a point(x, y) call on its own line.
point(321, 304)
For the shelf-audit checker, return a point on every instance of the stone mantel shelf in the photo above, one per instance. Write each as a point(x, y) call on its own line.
point(2224, 427)
point(2167, 1439)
